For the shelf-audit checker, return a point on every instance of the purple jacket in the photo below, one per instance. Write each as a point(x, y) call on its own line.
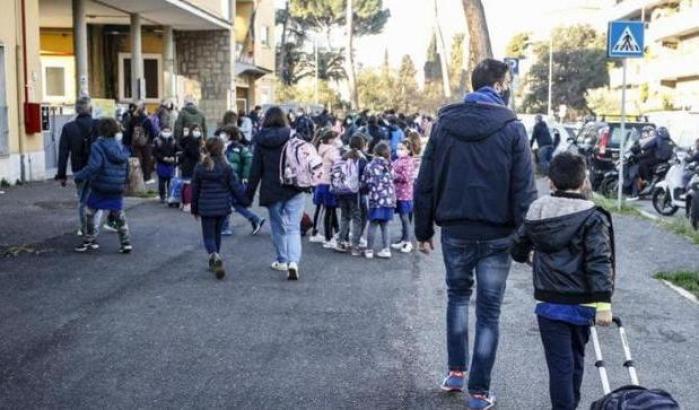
point(403, 178)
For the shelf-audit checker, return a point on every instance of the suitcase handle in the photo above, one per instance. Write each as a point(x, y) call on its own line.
point(628, 363)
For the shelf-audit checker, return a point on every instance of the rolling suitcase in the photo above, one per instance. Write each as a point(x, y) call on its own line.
point(174, 197)
point(633, 396)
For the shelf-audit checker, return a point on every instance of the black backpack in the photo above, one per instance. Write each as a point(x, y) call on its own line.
point(636, 398)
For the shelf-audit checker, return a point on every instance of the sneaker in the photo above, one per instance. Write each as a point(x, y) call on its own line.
point(342, 247)
point(369, 254)
point(150, 181)
point(87, 246)
point(632, 198)
point(384, 253)
point(481, 402)
point(293, 271)
point(362, 243)
point(356, 252)
point(216, 264)
point(109, 228)
point(257, 225)
point(80, 232)
point(227, 232)
point(318, 238)
point(407, 247)
point(398, 245)
point(125, 248)
point(282, 267)
point(454, 382)
point(331, 244)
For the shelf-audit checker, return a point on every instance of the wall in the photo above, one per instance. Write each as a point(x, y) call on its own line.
point(265, 16)
point(218, 8)
point(205, 57)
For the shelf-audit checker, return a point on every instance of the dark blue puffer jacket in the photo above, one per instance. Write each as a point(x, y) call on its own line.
point(213, 190)
point(107, 169)
point(476, 179)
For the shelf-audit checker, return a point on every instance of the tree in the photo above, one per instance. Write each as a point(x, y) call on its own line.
point(479, 37)
point(457, 73)
point(579, 65)
point(446, 85)
point(407, 83)
point(518, 45)
point(432, 68)
point(331, 66)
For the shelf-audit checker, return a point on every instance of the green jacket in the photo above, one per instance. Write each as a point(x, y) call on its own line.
point(190, 115)
point(240, 159)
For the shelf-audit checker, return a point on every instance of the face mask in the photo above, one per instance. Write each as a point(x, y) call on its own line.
point(402, 153)
point(185, 131)
point(505, 95)
point(167, 134)
point(196, 134)
point(223, 136)
point(338, 142)
point(119, 136)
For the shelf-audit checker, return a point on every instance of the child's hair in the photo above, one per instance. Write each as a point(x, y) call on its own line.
point(567, 171)
point(214, 151)
point(415, 145)
point(232, 131)
point(108, 127)
point(356, 144)
point(323, 136)
point(382, 150)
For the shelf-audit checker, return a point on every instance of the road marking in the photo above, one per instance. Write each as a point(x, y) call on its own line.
point(683, 292)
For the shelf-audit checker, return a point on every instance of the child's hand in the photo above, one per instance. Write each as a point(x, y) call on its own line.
point(603, 318)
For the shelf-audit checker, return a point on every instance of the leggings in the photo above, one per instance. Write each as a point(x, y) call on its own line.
point(211, 228)
point(316, 216)
point(405, 227)
point(330, 223)
point(371, 234)
point(164, 187)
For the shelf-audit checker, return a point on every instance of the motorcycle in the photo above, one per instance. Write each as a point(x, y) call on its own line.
point(672, 193)
point(692, 200)
point(609, 186)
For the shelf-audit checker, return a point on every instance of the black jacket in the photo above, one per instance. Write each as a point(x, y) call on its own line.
point(108, 167)
point(190, 155)
point(269, 143)
point(541, 135)
point(213, 190)
point(76, 138)
point(164, 148)
point(476, 179)
point(143, 121)
point(573, 243)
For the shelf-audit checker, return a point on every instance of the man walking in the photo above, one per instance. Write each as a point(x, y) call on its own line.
point(76, 139)
point(544, 142)
point(476, 182)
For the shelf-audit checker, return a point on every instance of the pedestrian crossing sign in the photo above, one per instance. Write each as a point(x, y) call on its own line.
point(625, 39)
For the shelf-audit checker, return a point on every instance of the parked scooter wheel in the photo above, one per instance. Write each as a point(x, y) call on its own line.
point(663, 203)
point(610, 188)
point(694, 214)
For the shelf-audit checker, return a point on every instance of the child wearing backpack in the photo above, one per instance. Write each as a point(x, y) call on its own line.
point(345, 182)
point(329, 151)
point(403, 170)
point(214, 186)
point(164, 150)
point(573, 243)
point(378, 180)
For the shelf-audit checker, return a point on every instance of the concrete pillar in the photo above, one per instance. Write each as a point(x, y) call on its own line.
point(169, 62)
point(80, 46)
point(136, 58)
point(232, 96)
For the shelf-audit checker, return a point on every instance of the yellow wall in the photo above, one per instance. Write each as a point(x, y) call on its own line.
point(242, 20)
point(265, 16)
point(60, 41)
point(10, 34)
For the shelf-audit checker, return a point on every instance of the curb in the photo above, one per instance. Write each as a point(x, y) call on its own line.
point(685, 294)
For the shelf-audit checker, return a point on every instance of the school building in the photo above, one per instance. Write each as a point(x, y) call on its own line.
point(117, 51)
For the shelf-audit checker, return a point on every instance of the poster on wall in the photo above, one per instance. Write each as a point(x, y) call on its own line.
point(102, 107)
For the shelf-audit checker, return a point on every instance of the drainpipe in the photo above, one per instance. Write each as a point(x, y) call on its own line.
point(22, 134)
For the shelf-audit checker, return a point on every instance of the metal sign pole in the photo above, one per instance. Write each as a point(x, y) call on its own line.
point(622, 148)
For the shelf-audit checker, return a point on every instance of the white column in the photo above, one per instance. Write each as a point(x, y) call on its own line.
point(80, 46)
point(136, 57)
point(169, 57)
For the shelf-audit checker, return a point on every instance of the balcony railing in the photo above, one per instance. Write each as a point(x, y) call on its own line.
point(672, 27)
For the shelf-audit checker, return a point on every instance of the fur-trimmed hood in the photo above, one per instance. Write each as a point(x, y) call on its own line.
point(553, 220)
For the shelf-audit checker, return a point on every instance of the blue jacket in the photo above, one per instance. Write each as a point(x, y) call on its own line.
point(397, 136)
point(108, 167)
point(476, 178)
point(213, 190)
point(660, 147)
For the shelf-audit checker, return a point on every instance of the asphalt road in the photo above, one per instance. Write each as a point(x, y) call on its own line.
point(155, 330)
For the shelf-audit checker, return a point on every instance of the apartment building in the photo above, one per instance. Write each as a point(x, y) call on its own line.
point(119, 51)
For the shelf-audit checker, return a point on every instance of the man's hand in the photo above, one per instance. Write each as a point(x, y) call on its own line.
point(603, 318)
point(426, 247)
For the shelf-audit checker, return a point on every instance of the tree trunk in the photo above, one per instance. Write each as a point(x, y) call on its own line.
point(349, 50)
point(478, 35)
point(441, 47)
point(282, 65)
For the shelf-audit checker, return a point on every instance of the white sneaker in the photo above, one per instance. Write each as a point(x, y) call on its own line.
point(293, 271)
point(398, 245)
point(384, 253)
point(369, 254)
point(331, 244)
point(362, 242)
point(109, 228)
point(407, 247)
point(80, 232)
point(318, 238)
point(282, 267)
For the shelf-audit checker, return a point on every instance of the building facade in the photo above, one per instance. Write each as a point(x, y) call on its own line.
point(121, 51)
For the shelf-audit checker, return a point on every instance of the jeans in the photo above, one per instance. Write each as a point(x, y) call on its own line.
point(350, 212)
point(490, 260)
point(545, 156)
point(117, 218)
point(564, 346)
point(83, 190)
point(244, 212)
point(371, 235)
point(405, 227)
point(211, 228)
point(164, 187)
point(285, 221)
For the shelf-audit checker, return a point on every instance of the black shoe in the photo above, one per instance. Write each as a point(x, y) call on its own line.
point(293, 273)
point(125, 248)
point(87, 246)
point(257, 225)
point(216, 264)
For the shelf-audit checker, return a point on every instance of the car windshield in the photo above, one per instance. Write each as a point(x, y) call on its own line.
point(632, 135)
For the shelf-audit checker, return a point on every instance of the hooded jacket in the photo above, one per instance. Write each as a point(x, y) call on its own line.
point(573, 243)
point(329, 153)
point(107, 169)
point(190, 114)
point(404, 178)
point(269, 143)
point(213, 190)
point(476, 179)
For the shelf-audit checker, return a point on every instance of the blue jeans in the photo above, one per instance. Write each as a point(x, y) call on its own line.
point(211, 228)
point(285, 220)
point(490, 260)
point(545, 156)
point(244, 212)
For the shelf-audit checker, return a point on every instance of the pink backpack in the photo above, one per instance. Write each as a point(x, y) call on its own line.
point(300, 165)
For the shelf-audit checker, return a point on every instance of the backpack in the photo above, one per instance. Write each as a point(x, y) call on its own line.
point(300, 165)
point(139, 137)
point(637, 398)
point(344, 176)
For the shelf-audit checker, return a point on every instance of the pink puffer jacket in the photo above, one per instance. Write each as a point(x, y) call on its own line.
point(404, 178)
point(329, 153)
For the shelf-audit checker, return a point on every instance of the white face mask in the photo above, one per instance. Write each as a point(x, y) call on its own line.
point(338, 142)
point(119, 136)
point(223, 136)
point(167, 134)
point(196, 134)
point(185, 132)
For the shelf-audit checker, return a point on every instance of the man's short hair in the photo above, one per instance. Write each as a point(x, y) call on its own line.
point(83, 105)
point(567, 171)
point(487, 73)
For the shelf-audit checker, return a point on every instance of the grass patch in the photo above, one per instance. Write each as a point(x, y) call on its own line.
point(687, 280)
point(147, 194)
point(681, 226)
point(612, 205)
point(4, 183)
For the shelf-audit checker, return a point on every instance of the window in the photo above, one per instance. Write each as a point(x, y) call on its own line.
point(152, 73)
point(55, 81)
point(58, 79)
point(4, 126)
point(264, 36)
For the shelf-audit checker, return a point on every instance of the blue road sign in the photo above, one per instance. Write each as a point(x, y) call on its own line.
point(625, 39)
point(514, 65)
